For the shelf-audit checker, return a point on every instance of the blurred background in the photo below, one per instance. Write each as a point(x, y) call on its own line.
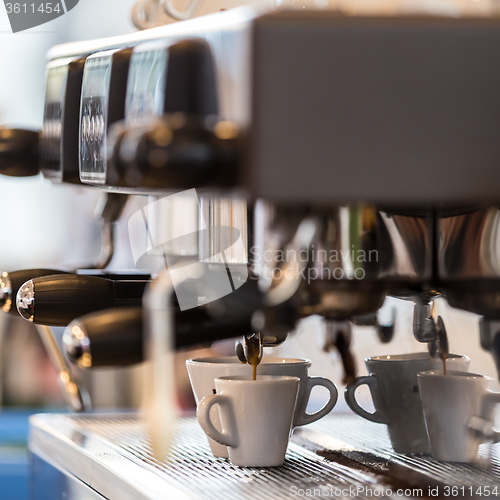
point(44, 225)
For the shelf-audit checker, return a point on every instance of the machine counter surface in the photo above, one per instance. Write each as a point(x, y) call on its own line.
point(341, 456)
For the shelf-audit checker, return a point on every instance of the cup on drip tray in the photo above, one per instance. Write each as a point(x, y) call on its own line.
point(458, 409)
point(393, 386)
point(256, 417)
point(203, 372)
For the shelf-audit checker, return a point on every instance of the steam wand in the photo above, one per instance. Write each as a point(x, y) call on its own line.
point(75, 394)
point(109, 211)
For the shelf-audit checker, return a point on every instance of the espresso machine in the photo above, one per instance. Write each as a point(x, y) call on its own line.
point(297, 163)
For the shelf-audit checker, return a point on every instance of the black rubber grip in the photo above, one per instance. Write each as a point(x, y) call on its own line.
point(18, 278)
point(116, 335)
point(59, 299)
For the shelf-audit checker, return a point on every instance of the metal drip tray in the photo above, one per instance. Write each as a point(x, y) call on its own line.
point(341, 456)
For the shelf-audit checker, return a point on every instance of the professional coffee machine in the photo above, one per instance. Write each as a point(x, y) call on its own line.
point(338, 159)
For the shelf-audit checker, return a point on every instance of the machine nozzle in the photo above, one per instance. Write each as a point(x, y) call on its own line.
point(25, 300)
point(77, 344)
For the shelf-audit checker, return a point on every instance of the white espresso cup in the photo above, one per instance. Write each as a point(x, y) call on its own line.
point(203, 372)
point(451, 402)
point(256, 417)
point(393, 385)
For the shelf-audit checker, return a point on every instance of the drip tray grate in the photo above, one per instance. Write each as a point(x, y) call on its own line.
point(341, 456)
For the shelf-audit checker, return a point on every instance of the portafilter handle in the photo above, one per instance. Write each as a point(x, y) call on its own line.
point(115, 337)
point(57, 300)
point(11, 282)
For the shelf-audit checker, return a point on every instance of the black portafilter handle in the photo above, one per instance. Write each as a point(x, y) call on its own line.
point(18, 152)
point(114, 337)
point(11, 282)
point(57, 300)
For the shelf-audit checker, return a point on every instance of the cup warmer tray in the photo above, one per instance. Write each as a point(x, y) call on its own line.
point(80, 457)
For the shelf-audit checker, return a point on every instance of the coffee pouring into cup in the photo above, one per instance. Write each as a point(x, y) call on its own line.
point(458, 410)
point(393, 385)
point(256, 417)
point(203, 372)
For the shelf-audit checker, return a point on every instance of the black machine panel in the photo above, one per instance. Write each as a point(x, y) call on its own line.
point(59, 135)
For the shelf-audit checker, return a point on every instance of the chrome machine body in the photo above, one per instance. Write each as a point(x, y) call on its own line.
point(349, 139)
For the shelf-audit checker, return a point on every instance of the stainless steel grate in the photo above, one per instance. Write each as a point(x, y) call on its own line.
point(344, 456)
point(192, 468)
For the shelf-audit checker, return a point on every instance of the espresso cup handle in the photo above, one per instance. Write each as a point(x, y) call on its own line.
point(304, 418)
point(350, 398)
point(226, 410)
point(488, 403)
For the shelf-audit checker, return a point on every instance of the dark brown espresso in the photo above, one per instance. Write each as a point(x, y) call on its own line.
point(253, 350)
point(443, 359)
point(443, 345)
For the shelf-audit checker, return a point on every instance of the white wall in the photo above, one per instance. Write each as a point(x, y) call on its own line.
point(43, 224)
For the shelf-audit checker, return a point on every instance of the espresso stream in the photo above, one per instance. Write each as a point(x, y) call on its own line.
point(253, 350)
point(443, 345)
point(253, 360)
